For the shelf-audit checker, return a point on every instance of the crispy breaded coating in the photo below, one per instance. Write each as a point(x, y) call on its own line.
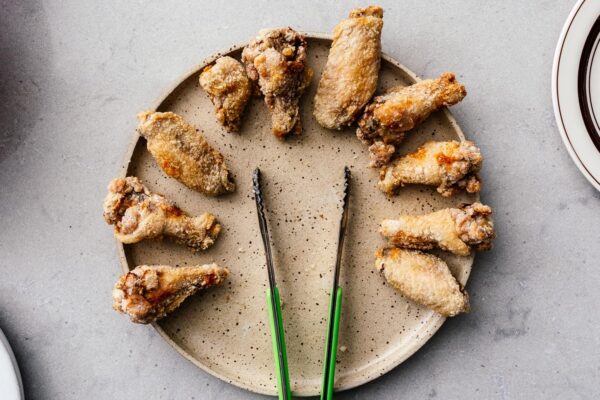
point(150, 292)
point(451, 166)
point(350, 76)
point(276, 60)
point(402, 108)
point(457, 230)
point(424, 279)
point(184, 154)
point(229, 89)
point(138, 214)
point(381, 153)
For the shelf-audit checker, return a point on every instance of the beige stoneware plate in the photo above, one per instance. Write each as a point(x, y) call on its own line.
point(224, 331)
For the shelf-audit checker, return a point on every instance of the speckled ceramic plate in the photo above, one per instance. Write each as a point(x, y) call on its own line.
point(224, 331)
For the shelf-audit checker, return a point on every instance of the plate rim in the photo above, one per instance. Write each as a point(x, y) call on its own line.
point(17, 381)
point(430, 328)
point(558, 114)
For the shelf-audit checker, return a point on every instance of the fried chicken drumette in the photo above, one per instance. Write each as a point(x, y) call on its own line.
point(276, 60)
point(138, 214)
point(457, 230)
point(184, 154)
point(229, 89)
point(387, 118)
point(424, 279)
point(350, 75)
point(451, 166)
point(150, 292)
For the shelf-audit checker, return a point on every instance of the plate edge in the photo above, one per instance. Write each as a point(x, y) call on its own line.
point(556, 103)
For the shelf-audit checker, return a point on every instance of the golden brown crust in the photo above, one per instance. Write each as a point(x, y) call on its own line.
point(402, 108)
point(381, 154)
point(370, 11)
point(451, 166)
point(276, 60)
point(457, 230)
point(350, 75)
point(184, 154)
point(138, 214)
point(229, 89)
point(424, 279)
point(150, 292)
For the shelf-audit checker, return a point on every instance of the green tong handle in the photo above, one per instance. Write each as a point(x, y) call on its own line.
point(281, 371)
point(328, 379)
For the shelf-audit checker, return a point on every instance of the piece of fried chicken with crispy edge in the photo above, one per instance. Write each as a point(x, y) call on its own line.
point(276, 61)
point(387, 118)
point(349, 79)
point(457, 230)
point(424, 279)
point(139, 214)
point(229, 89)
point(150, 292)
point(184, 154)
point(451, 166)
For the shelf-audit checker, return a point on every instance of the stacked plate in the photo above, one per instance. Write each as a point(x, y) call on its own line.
point(576, 87)
point(11, 387)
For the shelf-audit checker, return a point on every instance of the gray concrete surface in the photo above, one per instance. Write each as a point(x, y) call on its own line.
point(75, 73)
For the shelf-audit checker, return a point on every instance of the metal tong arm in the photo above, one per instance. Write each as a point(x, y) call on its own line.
point(273, 301)
point(335, 305)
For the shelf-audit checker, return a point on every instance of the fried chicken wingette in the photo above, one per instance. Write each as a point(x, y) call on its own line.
point(457, 230)
point(350, 75)
point(388, 117)
point(450, 166)
point(229, 89)
point(150, 292)
point(184, 154)
point(424, 279)
point(138, 214)
point(276, 59)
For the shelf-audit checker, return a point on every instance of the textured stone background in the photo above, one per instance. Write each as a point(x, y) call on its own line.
point(73, 75)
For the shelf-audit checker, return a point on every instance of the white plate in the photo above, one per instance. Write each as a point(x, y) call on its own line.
point(11, 387)
point(576, 87)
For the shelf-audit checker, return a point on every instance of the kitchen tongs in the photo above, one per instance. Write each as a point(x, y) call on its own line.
point(335, 302)
point(273, 301)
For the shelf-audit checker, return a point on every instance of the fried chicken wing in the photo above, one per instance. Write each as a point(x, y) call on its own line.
point(388, 117)
point(276, 59)
point(450, 166)
point(138, 214)
point(184, 154)
point(350, 75)
point(452, 229)
point(424, 279)
point(150, 292)
point(229, 89)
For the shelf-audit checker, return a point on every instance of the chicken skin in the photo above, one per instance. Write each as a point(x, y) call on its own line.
point(350, 76)
point(424, 279)
point(138, 214)
point(229, 89)
point(276, 59)
point(184, 154)
point(457, 230)
point(387, 118)
point(450, 166)
point(150, 292)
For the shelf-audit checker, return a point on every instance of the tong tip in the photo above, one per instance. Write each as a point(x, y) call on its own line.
point(347, 177)
point(256, 180)
point(256, 187)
